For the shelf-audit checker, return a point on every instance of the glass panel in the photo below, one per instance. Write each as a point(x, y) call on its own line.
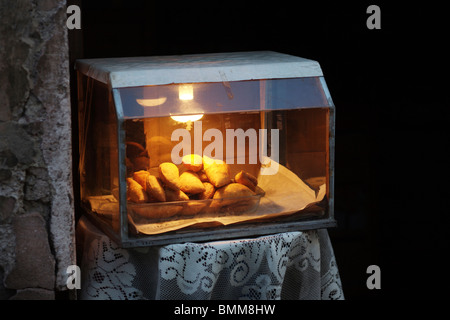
point(99, 153)
point(221, 97)
point(295, 140)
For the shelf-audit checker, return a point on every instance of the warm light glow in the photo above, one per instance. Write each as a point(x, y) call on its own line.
point(186, 92)
point(184, 119)
point(151, 102)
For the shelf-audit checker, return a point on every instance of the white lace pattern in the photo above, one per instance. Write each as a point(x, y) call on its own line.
point(293, 265)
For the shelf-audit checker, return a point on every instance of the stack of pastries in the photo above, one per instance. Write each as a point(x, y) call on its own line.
point(202, 178)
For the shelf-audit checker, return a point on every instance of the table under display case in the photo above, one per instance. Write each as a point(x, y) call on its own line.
point(297, 265)
point(205, 147)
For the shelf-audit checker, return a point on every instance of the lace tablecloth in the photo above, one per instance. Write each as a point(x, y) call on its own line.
point(292, 265)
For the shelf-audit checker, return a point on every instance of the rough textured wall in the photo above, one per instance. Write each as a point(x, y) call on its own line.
point(36, 196)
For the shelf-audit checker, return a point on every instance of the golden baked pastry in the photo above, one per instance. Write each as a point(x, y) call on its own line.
point(141, 177)
point(190, 183)
point(192, 162)
point(155, 189)
point(170, 175)
point(202, 176)
point(247, 179)
point(233, 190)
point(135, 192)
point(234, 197)
point(208, 193)
point(175, 195)
point(217, 171)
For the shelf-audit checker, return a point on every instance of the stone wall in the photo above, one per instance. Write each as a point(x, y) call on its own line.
point(36, 196)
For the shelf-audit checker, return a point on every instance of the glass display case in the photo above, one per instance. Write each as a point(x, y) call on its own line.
point(205, 147)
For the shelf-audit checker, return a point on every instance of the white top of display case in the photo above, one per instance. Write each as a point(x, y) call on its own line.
point(214, 67)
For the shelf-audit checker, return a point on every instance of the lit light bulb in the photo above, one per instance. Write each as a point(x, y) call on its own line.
point(186, 92)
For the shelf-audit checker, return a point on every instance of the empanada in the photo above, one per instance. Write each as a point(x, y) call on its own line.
point(192, 162)
point(190, 183)
point(203, 177)
point(154, 188)
point(170, 175)
point(233, 190)
point(217, 171)
point(247, 179)
point(234, 197)
point(135, 192)
point(141, 177)
point(175, 195)
point(208, 193)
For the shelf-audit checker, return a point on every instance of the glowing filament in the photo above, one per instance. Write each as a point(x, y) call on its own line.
point(186, 92)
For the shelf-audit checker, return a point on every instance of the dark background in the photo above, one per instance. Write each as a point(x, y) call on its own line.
point(391, 115)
